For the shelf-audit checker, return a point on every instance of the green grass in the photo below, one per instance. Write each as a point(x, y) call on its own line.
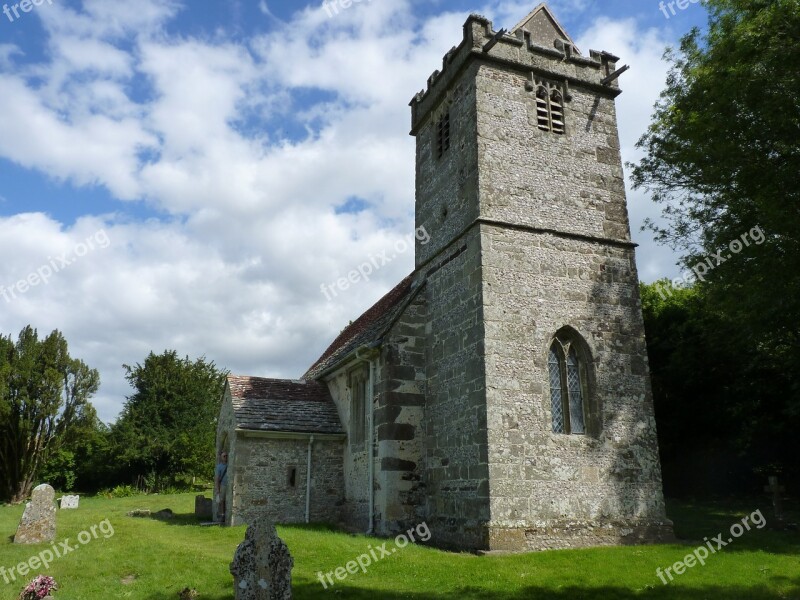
point(160, 558)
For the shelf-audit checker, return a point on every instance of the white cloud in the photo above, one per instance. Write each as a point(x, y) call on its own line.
point(226, 141)
point(642, 50)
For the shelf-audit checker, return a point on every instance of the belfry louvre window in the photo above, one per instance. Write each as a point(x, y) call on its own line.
point(550, 110)
point(567, 387)
point(443, 134)
point(358, 406)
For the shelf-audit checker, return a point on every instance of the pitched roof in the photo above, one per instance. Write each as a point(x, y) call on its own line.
point(368, 328)
point(542, 22)
point(283, 405)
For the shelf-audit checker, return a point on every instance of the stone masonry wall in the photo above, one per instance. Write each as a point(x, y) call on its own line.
point(400, 423)
point(446, 187)
point(261, 478)
point(456, 460)
point(355, 511)
point(572, 183)
point(555, 490)
point(529, 234)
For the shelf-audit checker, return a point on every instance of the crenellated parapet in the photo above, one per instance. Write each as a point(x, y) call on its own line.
point(538, 46)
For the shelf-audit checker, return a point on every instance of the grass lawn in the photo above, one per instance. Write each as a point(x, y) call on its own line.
point(152, 560)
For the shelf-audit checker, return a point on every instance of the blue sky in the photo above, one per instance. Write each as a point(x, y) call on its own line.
point(235, 156)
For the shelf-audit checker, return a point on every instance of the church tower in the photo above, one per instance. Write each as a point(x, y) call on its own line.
point(539, 424)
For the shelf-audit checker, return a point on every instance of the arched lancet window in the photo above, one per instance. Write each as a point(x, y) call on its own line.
point(568, 386)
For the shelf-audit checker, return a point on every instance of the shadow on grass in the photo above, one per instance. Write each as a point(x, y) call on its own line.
point(191, 519)
point(707, 519)
point(176, 519)
point(184, 519)
point(305, 590)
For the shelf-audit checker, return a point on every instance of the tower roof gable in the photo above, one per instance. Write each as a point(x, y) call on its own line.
point(543, 27)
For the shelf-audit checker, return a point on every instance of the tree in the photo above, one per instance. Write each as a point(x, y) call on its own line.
point(168, 426)
point(44, 393)
point(724, 421)
point(722, 157)
point(83, 461)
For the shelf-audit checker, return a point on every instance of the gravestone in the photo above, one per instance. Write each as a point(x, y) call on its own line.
point(165, 514)
point(38, 523)
point(262, 565)
point(203, 507)
point(777, 501)
point(69, 502)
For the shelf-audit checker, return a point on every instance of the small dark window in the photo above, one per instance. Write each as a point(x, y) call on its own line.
point(443, 134)
point(292, 479)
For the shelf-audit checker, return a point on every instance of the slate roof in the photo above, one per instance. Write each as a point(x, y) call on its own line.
point(297, 406)
point(368, 328)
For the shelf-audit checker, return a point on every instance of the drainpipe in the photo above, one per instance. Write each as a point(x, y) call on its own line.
point(308, 480)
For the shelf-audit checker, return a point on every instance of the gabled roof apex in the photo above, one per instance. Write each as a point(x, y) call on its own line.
point(535, 15)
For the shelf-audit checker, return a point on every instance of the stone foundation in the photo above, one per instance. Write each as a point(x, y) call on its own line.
point(578, 535)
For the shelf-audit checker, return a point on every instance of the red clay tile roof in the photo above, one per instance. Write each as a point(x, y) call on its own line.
point(283, 405)
point(368, 328)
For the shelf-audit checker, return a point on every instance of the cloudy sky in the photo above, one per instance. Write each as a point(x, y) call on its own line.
point(187, 175)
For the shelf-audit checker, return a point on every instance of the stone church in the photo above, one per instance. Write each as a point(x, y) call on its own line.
point(500, 393)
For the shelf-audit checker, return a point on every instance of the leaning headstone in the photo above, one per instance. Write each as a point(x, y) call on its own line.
point(38, 523)
point(262, 565)
point(203, 507)
point(69, 502)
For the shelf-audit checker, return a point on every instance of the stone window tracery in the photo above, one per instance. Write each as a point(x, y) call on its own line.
point(567, 371)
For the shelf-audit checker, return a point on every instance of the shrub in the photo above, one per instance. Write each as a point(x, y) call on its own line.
point(121, 491)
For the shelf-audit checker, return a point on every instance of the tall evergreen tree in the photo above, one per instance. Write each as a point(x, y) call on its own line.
point(168, 425)
point(44, 393)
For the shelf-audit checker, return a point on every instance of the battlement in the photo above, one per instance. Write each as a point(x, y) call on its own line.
point(538, 46)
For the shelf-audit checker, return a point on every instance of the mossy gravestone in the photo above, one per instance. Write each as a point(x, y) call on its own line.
point(262, 565)
point(38, 523)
